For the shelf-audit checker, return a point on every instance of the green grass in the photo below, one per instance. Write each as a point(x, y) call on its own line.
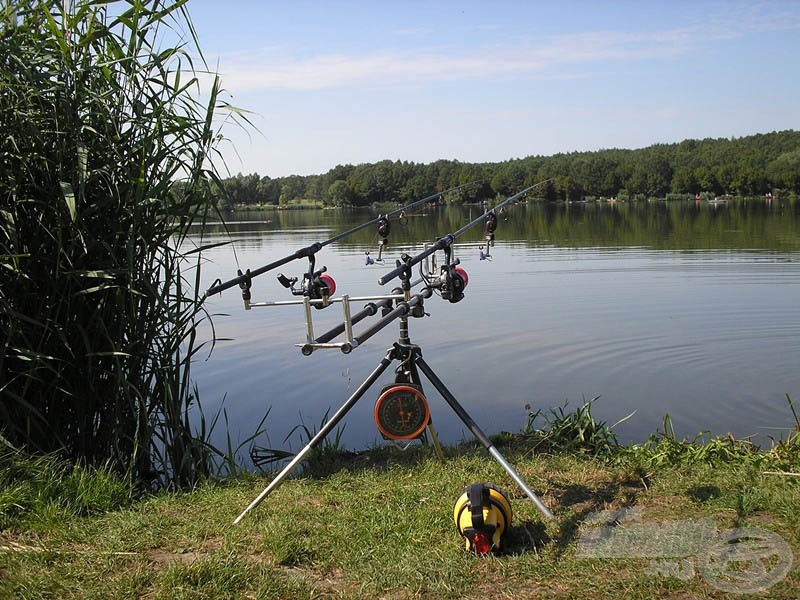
point(379, 525)
point(41, 491)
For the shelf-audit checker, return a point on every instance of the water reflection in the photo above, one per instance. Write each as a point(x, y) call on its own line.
point(674, 225)
point(681, 308)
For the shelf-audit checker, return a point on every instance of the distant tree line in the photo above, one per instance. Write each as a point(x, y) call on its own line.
point(747, 166)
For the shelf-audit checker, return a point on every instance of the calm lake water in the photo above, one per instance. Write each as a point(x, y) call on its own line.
point(680, 308)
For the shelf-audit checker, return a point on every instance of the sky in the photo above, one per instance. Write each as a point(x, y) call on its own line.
point(332, 82)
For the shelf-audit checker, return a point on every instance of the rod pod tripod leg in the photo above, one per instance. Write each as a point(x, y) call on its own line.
point(322, 433)
point(477, 432)
point(411, 356)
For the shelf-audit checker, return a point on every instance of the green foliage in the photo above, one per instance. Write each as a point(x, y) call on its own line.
point(664, 449)
point(576, 431)
point(785, 170)
point(320, 460)
point(579, 432)
point(748, 166)
point(104, 166)
point(382, 526)
point(37, 489)
point(384, 529)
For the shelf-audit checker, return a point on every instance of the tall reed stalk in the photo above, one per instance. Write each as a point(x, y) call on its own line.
point(105, 148)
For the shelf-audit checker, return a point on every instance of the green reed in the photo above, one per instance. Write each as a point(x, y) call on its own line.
point(105, 164)
point(572, 431)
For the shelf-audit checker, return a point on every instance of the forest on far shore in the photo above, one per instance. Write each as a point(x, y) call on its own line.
point(748, 166)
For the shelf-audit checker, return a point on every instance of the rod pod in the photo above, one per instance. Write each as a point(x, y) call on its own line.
point(411, 356)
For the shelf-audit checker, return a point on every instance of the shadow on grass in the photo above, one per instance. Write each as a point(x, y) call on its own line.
point(704, 493)
point(572, 503)
point(528, 536)
point(377, 459)
point(324, 462)
point(579, 501)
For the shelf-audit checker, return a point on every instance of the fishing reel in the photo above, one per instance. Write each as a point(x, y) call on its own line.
point(451, 282)
point(316, 285)
point(451, 279)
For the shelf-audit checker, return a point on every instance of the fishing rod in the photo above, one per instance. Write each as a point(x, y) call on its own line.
point(315, 280)
point(446, 242)
point(449, 282)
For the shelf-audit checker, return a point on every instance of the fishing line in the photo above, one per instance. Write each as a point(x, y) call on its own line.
point(446, 242)
point(244, 280)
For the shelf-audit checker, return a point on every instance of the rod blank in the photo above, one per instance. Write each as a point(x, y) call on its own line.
point(314, 248)
point(448, 240)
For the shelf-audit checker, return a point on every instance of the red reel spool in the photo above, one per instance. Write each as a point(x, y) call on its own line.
point(463, 275)
point(328, 281)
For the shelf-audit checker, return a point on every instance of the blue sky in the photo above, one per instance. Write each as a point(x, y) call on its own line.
point(349, 82)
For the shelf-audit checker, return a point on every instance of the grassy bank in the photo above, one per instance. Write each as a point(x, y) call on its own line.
point(379, 525)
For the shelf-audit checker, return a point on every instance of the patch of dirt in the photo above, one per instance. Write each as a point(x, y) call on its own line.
point(164, 558)
point(327, 582)
point(764, 520)
point(518, 589)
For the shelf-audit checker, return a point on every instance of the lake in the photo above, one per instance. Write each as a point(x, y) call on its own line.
point(685, 308)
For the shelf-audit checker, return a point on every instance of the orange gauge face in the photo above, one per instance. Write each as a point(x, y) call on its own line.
point(402, 413)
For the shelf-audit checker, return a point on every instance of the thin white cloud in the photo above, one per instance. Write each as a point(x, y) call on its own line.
point(276, 69)
point(415, 32)
point(754, 17)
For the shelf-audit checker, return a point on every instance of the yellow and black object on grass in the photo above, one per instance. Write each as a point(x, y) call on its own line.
point(483, 516)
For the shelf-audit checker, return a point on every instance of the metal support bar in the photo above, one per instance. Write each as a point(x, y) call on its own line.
point(348, 324)
point(478, 433)
point(402, 309)
point(329, 301)
point(309, 320)
point(321, 341)
point(321, 434)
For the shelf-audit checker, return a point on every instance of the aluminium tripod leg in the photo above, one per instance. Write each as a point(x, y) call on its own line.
point(324, 431)
point(478, 433)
